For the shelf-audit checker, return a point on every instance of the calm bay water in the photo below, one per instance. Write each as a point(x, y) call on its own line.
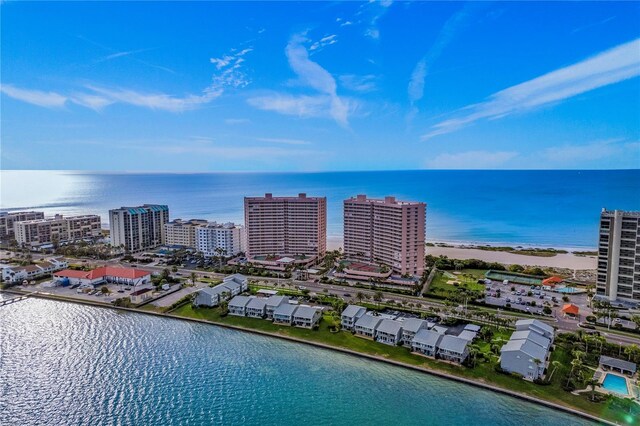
point(542, 208)
point(64, 364)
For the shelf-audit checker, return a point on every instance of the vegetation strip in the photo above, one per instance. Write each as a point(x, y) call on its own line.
point(441, 374)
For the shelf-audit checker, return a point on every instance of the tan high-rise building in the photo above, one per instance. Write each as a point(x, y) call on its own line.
point(286, 225)
point(57, 229)
point(8, 219)
point(619, 256)
point(138, 228)
point(179, 232)
point(386, 231)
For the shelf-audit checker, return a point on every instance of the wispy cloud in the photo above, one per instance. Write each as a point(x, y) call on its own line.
point(343, 22)
point(116, 55)
point(611, 66)
point(229, 67)
point(34, 97)
point(312, 76)
point(471, 160)
point(284, 141)
point(598, 150)
point(444, 38)
point(323, 42)
point(373, 11)
point(158, 100)
point(359, 83)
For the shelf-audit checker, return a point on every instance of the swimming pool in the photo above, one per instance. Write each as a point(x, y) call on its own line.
point(569, 290)
point(615, 383)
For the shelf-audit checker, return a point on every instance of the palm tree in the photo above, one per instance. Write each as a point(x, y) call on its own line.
point(474, 350)
point(576, 365)
point(360, 296)
point(555, 365)
point(632, 352)
point(193, 277)
point(592, 383)
point(378, 297)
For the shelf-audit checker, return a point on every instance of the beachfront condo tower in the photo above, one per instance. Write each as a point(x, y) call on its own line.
point(386, 231)
point(619, 256)
point(289, 226)
point(7, 219)
point(138, 228)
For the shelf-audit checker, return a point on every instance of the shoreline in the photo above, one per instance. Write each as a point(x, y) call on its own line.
point(443, 375)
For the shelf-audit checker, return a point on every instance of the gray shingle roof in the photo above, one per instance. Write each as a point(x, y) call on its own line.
point(368, 321)
point(536, 323)
point(618, 363)
point(239, 301)
point(467, 335)
point(274, 301)
point(306, 312)
point(533, 336)
point(389, 326)
point(257, 303)
point(472, 327)
point(352, 310)
point(413, 324)
point(452, 344)
point(526, 346)
point(285, 309)
point(427, 337)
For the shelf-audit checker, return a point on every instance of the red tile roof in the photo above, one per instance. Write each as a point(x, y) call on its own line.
point(571, 309)
point(552, 281)
point(105, 271)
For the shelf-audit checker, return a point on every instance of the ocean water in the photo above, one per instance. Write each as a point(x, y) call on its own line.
point(64, 364)
point(540, 208)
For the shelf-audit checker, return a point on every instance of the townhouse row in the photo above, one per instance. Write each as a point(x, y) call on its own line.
point(423, 337)
point(527, 351)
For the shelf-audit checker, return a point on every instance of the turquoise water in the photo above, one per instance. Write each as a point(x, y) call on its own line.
point(542, 208)
point(569, 290)
point(615, 383)
point(65, 364)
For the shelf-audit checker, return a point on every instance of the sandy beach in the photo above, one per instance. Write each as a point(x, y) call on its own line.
point(568, 260)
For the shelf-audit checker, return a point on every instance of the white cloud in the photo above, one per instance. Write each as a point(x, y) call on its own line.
point(157, 101)
point(300, 106)
point(35, 97)
point(359, 83)
point(323, 42)
point(230, 66)
point(612, 66)
point(284, 141)
point(92, 101)
point(416, 84)
point(471, 160)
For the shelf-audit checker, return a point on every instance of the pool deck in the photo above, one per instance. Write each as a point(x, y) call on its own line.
point(601, 375)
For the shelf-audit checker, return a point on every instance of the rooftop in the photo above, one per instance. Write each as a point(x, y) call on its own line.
point(368, 321)
point(413, 324)
point(453, 344)
point(389, 326)
point(618, 363)
point(526, 346)
point(427, 337)
point(352, 310)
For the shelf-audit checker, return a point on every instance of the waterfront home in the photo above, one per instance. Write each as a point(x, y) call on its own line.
point(350, 315)
point(410, 326)
point(366, 326)
point(273, 302)
point(207, 296)
point(17, 274)
point(307, 316)
point(523, 357)
point(536, 338)
point(236, 283)
point(140, 295)
point(426, 342)
point(615, 364)
point(256, 308)
point(453, 348)
point(389, 332)
point(283, 314)
point(238, 305)
point(536, 325)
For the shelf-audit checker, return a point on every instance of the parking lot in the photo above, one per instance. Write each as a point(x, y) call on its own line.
point(525, 298)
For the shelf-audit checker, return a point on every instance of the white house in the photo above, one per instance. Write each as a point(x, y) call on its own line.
point(206, 297)
point(238, 305)
point(17, 274)
point(283, 314)
point(426, 342)
point(452, 348)
point(306, 316)
point(410, 326)
point(257, 307)
point(350, 315)
point(273, 302)
point(366, 326)
point(389, 332)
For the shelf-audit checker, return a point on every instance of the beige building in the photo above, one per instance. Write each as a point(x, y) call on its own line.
point(138, 228)
point(7, 219)
point(57, 229)
point(182, 233)
point(386, 231)
point(286, 225)
point(619, 256)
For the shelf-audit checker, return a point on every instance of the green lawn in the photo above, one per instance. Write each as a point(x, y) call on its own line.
point(483, 372)
point(467, 279)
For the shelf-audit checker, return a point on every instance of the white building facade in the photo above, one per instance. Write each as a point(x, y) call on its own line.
point(216, 239)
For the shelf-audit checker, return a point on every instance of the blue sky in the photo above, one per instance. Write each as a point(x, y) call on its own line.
point(283, 86)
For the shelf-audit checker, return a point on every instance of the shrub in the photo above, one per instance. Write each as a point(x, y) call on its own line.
point(591, 318)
